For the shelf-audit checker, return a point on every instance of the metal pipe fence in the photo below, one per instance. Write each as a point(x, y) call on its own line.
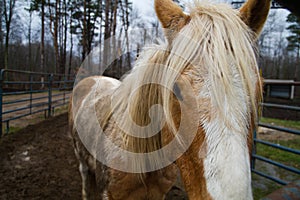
point(24, 93)
point(256, 155)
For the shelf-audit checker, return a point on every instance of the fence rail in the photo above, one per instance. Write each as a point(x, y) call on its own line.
point(256, 155)
point(24, 93)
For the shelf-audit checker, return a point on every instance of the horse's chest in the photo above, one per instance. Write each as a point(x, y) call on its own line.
point(150, 186)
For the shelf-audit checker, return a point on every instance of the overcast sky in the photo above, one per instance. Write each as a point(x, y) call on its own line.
point(146, 9)
point(146, 6)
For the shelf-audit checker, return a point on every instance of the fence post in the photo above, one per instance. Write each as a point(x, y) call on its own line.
point(65, 81)
point(253, 150)
point(30, 87)
point(50, 82)
point(1, 100)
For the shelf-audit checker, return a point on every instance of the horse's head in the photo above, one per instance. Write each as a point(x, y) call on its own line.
point(217, 42)
point(214, 48)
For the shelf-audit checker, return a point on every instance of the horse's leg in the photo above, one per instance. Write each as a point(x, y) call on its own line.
point(88, 182)
point(87, 175)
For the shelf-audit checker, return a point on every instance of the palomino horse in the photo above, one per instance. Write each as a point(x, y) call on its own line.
point(189, 104)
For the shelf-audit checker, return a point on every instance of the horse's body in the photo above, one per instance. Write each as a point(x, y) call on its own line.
point(110, 183)
point(210, 62)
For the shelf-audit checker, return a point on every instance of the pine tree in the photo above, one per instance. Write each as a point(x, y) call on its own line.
point(294, 28)
point(294, 39)
point(85, 16)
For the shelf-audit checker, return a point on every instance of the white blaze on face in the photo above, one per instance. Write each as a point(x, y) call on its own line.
point(227, 163)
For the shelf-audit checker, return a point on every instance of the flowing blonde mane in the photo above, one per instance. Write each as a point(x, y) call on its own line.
point(214, 40)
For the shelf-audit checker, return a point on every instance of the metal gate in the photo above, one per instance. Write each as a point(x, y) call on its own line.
point(24, 93)
point(281, 110)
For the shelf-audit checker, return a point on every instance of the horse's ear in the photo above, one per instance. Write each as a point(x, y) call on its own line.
point(254, 13)
point(171, 16)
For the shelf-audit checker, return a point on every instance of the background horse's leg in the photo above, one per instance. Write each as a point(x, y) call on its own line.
point(87, 176)
point(88, 182)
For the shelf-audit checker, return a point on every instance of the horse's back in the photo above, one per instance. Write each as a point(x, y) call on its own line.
point(86, 94)
point(97, 84)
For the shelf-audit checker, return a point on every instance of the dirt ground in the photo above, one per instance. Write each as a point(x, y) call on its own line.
point(271, 135)
point(38, 162)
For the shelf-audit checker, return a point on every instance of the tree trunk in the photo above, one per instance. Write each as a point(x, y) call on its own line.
point(55, 37)
point(54, 19)
point(1, 37)
point(71, 56)
point(126, 34)
point(84, 31)
point(114, 20)
point(64, 60)
point(71, 47)
point(29, 41)
point(100, 37)
point(8, 14)
point(297, 63)
point(107, 33)
point(107, 29)
point(6, 48)
point(42, 46)
point(62, 29)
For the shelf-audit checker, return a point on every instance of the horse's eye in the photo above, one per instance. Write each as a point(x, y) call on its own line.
point(177, 92)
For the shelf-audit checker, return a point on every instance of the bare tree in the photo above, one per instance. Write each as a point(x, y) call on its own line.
point(125, 18)
point(53, 13)
point(29, 37)
point(272, 45)
point(1, 34)
point(39, 6)
point(8, 8)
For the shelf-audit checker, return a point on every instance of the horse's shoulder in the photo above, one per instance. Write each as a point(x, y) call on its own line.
point(98, 84)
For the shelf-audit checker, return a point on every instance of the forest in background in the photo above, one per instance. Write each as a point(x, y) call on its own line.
point(55, 36)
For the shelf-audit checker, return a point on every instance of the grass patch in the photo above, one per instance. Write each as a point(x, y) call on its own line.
point(61, 109)
point(12, 129)
point(284, 123)
point(277, 154)
point(33, 119)
point(284, 157)
point(262, 186)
